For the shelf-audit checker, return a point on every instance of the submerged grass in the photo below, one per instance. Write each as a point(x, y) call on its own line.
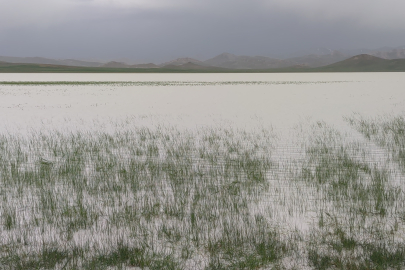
point(168, 199)
point(388, 132)
point(357, 224)
point(141, 198)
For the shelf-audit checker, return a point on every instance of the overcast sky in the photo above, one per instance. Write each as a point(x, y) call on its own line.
point(161, 30)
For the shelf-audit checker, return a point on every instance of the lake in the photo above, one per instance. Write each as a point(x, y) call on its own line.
point(202, 171)
point(327, 96)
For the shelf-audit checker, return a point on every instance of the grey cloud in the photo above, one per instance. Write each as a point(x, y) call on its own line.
point(378, 14)
point(161, 30)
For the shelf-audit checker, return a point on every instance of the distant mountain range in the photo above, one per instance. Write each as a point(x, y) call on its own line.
point(311, 59)
point(114, 64)
point(358, 63)
point(326, 60)
point(231, 61)
point(352, 52)
point(41, 60)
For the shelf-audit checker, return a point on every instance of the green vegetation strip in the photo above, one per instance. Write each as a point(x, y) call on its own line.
point(162, 83)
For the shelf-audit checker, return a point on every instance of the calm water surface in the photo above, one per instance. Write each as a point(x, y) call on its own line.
point(320, 96)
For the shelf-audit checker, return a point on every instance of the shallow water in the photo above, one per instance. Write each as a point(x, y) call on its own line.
point(287, 106)
point(323, 96)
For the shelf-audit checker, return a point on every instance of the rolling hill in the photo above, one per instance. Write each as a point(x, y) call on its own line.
point(365, 63)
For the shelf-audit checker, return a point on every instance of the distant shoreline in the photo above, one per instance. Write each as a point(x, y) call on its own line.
point(34, 69)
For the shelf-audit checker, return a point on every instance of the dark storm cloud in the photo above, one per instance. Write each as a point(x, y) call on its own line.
point(157, 31)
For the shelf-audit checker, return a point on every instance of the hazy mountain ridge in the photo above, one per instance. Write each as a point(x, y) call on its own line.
point(313, 58)
point(398, 53)
point(114, 64)
point(183, 61)
point(231, 61)
point(358, 63)
point(191, 66)
point(361, 60)
point(319, 58)
point(47, 61)
point(348, 53)
point(227, 60)
point(365, 63)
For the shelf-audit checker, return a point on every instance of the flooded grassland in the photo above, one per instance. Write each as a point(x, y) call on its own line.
point(202, 171)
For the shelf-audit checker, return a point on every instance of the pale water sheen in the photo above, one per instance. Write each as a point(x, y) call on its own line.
point(322, 96)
